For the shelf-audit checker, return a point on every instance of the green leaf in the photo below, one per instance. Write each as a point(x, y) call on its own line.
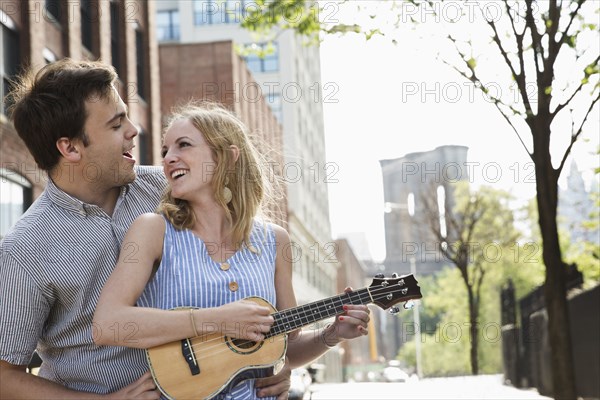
point(344, 28)
point(372, 32)
point(591, 69)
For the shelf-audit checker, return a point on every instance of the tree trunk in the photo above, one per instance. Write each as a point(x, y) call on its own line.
point(563, 376)
point(473, 317)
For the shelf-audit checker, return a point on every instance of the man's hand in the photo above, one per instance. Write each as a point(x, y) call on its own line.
point(143, 388)
point(276, 385)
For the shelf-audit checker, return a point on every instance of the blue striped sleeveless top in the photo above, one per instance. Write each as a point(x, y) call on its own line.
point(188, 277)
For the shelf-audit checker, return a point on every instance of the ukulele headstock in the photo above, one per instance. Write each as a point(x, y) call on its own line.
point(387, 292)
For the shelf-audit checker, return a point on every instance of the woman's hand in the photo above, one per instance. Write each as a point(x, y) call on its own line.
point(244, 319)
point(349, 325)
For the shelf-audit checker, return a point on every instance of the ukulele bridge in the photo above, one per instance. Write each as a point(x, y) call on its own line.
point(190, 357)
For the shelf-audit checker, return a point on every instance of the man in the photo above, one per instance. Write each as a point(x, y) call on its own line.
point(57, 257)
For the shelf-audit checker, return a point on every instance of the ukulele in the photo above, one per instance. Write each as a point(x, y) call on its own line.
point(210, 364)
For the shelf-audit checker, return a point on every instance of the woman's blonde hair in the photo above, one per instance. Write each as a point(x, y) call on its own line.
point(246, 178)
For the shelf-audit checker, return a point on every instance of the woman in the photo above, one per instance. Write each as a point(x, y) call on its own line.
point(206, 248)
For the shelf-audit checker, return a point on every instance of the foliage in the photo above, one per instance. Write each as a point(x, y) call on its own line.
point(444, 352)
point(587, 259)
point(584, 254)
point(472, 236)
point(588, 256)
point(269, 18)
point(444, 314)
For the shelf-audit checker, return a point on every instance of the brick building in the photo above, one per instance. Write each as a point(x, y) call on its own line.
point(36, 32)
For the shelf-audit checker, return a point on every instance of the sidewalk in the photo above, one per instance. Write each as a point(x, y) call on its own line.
point(483, 387)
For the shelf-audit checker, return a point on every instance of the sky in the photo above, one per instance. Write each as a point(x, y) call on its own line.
point(383, 100)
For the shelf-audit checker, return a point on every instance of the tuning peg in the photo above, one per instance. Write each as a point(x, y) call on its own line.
point(394, 310)
point(409, 305)
point(379, 275)
point(395, 275)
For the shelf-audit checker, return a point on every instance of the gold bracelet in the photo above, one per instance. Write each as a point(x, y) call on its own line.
point(192, 322)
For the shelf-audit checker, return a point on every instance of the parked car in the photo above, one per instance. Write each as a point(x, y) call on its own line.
point(394, 374)
point(300, 384)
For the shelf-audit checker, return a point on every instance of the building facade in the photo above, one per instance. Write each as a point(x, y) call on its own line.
point(406, 181)
point(34, 33)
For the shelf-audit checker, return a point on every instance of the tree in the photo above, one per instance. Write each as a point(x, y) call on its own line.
point(529, 38)
point(472, 233)
point(444, 311)
point(497, 251)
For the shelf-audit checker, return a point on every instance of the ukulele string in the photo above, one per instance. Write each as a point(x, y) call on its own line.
point(216, 343)
point(339, 301)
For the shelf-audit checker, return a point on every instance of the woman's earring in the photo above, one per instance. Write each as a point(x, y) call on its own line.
point(227, 192)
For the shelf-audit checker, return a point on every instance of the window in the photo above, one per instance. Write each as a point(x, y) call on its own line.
point(15, 198)
point(274, 101)
point(86, 24)
point(116, 37)
point(265, 58)
point(167, 24)
point(235, 10)
point(145, 144)
point(441, 201)
point(53, 10)
point(9, 64)
point(203, 11)
point(49, 55)
point(410, 202)
point(209, 12)
point(140, 63)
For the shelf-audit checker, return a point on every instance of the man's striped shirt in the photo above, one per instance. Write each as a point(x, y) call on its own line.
point(53, 264)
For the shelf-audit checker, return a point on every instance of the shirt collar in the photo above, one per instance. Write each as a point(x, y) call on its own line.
point(70, 203)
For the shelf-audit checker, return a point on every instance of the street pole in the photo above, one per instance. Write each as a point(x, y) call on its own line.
point(417, 323)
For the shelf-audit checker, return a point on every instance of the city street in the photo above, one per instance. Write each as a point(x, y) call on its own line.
point(468, 387)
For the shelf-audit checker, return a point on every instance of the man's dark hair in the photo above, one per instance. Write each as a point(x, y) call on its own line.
point(51, 104)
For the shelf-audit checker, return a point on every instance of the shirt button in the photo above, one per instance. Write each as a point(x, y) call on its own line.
point(225, 266)
point(254, 250)
point(233, 286)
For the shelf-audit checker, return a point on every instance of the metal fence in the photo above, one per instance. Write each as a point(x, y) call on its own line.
point(525, 346)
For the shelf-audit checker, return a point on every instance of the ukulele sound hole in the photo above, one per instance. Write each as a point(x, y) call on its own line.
point(243, 346)
point(243, 343)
